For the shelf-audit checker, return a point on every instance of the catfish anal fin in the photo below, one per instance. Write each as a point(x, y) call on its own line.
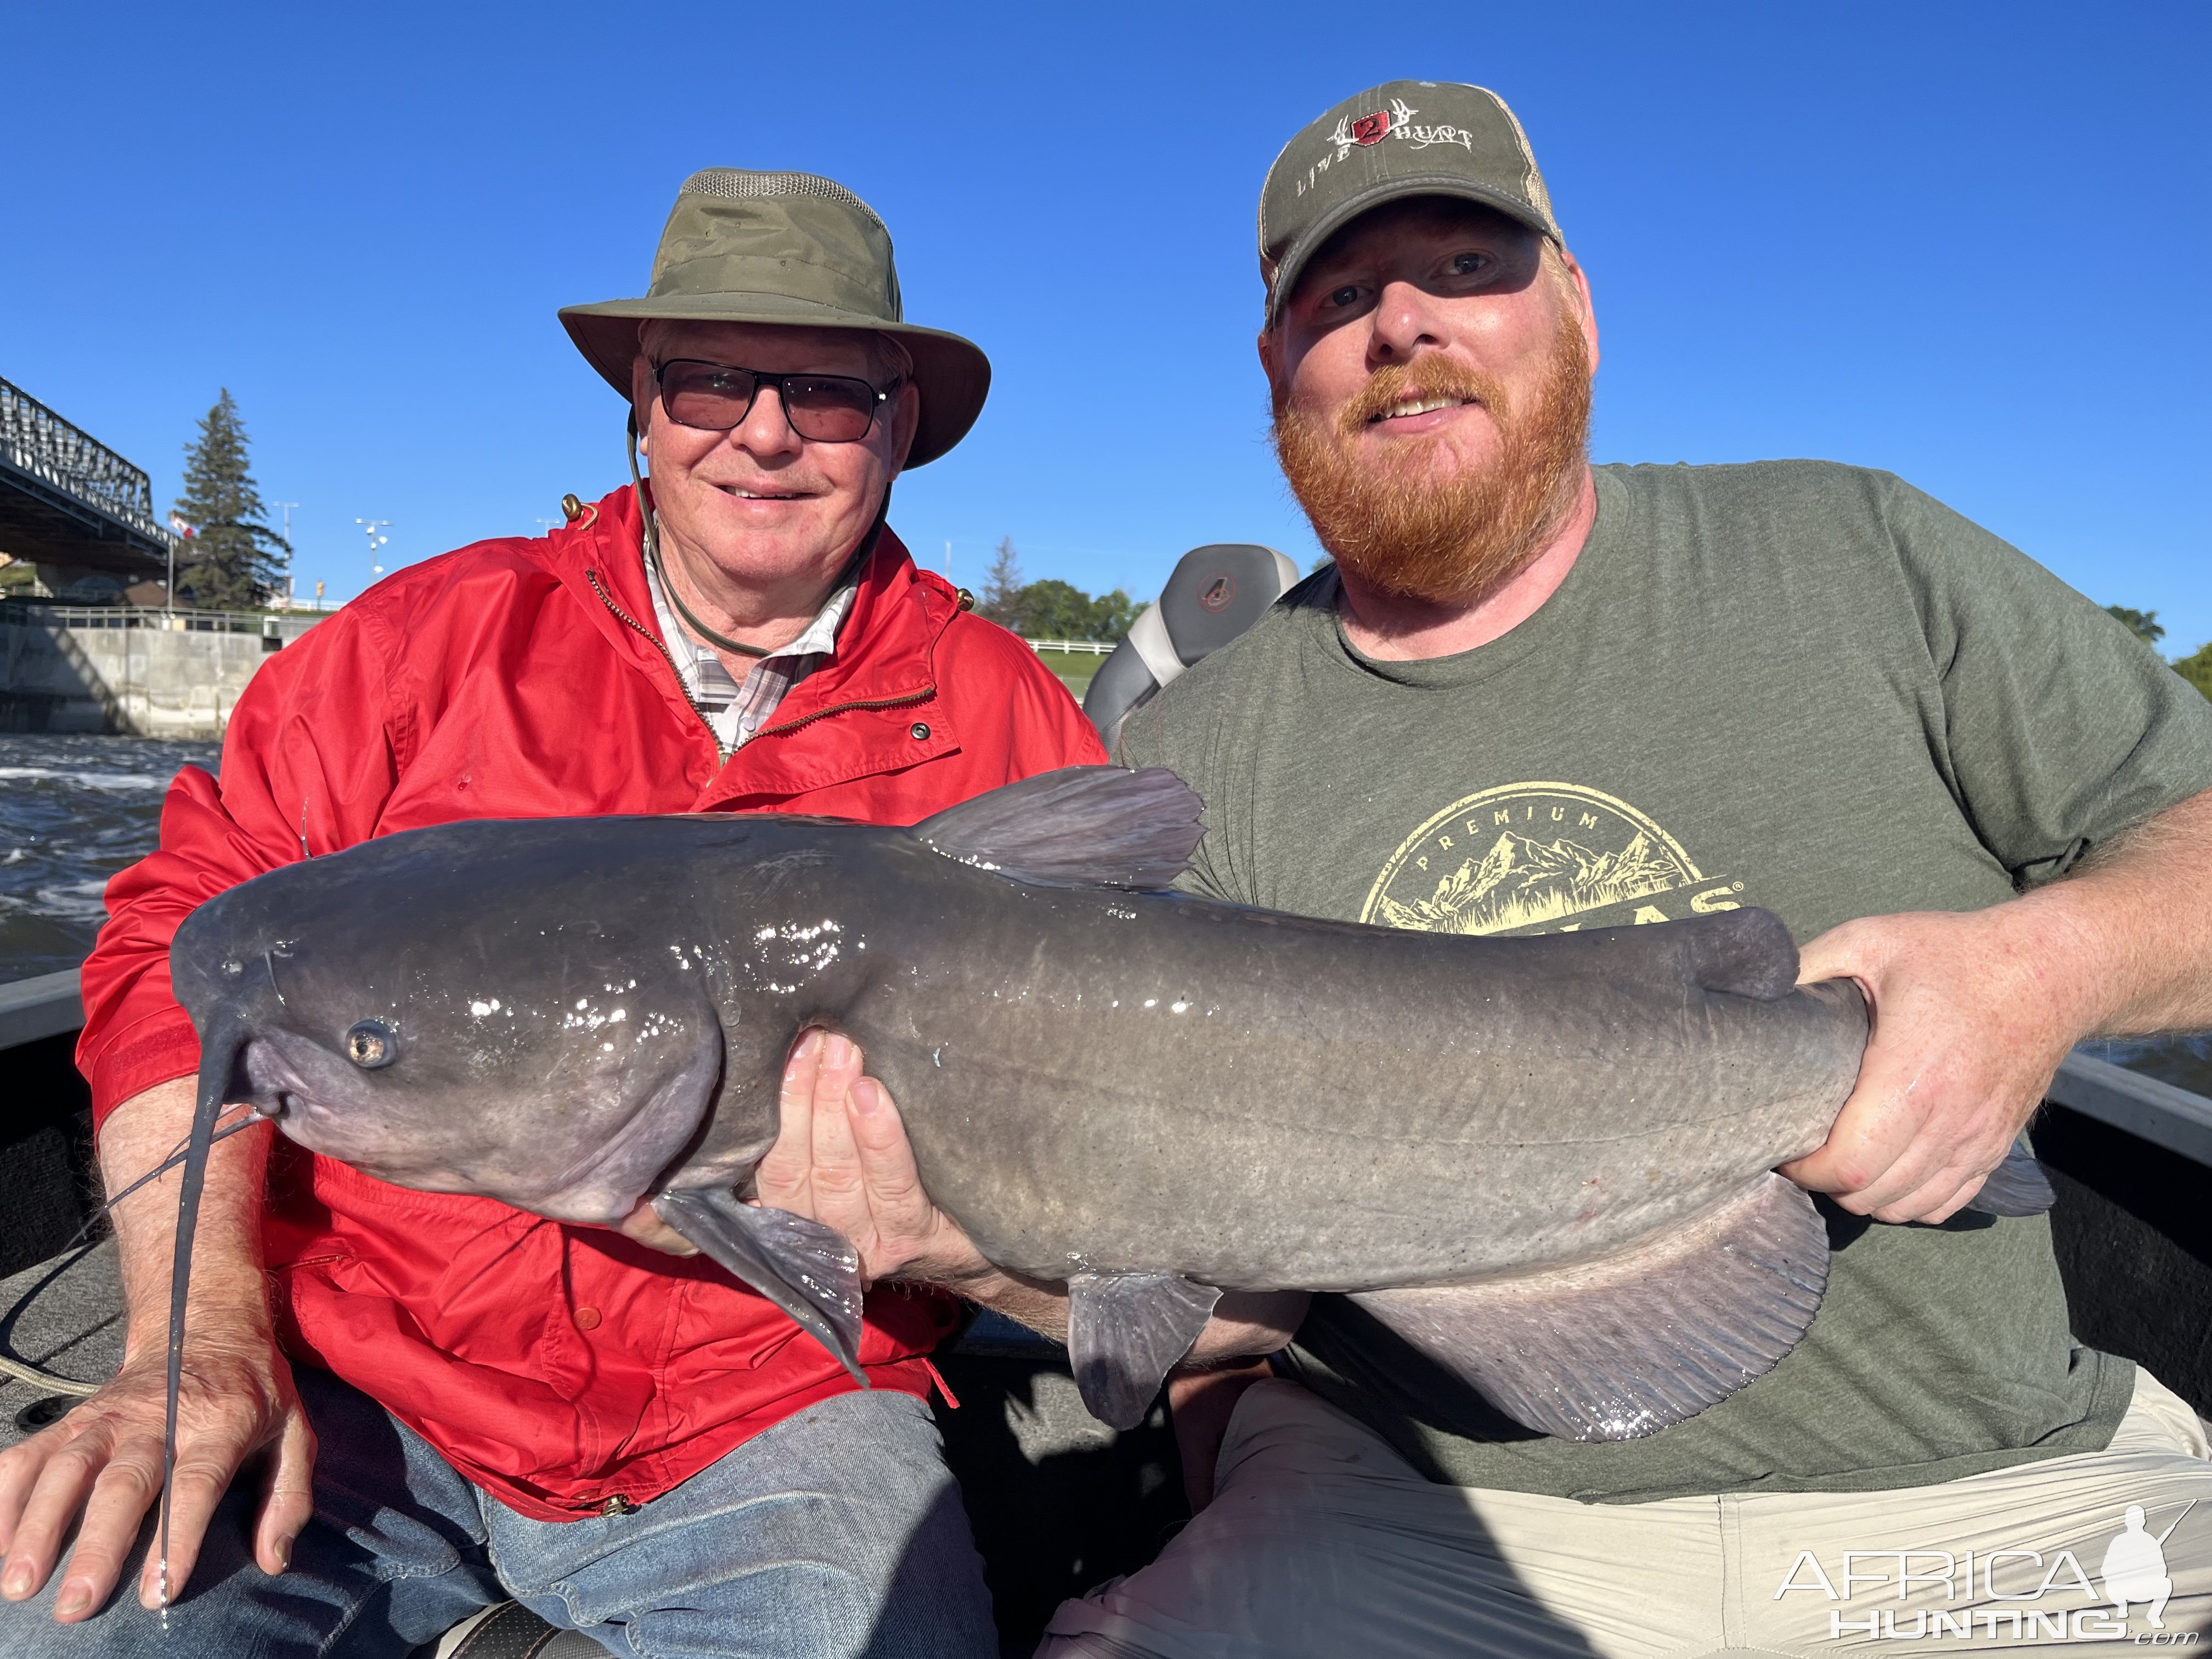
point(1081, 826)
point(1124, 1332)
point(810, 1271)
point(1623, 1346)
point(2016, 1186)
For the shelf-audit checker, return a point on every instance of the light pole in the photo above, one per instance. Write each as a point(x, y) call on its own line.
point(371, 527)
point(288, 507)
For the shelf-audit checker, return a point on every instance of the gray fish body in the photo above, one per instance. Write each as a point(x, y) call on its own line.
point(1542, 1163)
point(1093, 1080)
point(1102, 1082)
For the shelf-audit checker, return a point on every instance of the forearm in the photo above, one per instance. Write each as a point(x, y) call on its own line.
point(228, 1289)
point(2124, 943)
point(1243, 1323)
point(1036, 1302)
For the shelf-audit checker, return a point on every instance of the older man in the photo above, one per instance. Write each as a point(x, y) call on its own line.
point(450, 1402)
point(1531, 696)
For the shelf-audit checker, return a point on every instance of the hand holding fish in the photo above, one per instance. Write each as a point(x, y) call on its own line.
point(1969, 1024)
point(841, 1158)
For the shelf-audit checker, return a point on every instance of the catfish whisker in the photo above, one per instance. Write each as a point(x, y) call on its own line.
point(246, 1120)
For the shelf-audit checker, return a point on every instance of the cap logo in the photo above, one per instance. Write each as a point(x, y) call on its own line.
point(1215, 592)
point(1396, 123)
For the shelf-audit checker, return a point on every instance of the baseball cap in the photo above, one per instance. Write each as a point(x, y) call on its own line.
point(1402, 138)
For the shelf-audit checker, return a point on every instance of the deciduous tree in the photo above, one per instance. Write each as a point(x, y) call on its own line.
point(2197, 669)
point(2145, 623)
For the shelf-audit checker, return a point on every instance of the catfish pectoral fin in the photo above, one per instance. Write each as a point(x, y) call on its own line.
point(810, 1271)
point(1124, 1332)
point(1623, 1346)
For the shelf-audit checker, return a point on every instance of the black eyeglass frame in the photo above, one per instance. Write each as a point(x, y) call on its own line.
point(879, 396)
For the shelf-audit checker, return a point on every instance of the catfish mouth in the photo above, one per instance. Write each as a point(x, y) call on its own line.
point(289, 1080)
point(605, 1168)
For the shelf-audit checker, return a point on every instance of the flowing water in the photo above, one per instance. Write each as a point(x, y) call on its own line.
point(75, 810)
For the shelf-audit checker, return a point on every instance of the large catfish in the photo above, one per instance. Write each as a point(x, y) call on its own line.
point(1545, 1162)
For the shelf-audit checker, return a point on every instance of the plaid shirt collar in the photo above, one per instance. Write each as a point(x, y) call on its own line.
point(737, 711)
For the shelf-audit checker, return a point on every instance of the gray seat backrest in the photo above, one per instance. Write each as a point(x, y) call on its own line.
point(1215, 593)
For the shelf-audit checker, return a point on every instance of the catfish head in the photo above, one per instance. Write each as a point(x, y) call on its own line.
point(528, 1026)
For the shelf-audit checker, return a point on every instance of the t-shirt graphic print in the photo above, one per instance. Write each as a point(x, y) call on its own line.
point(1541, 858)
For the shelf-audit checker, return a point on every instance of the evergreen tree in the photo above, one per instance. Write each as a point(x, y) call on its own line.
point(2145, 623)
point(236, 559)
point(1002, 588)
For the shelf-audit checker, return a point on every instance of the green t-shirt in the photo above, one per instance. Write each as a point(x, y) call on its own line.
point(1795, 684)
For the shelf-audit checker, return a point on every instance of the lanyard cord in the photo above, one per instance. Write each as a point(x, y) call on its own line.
point(646, 517)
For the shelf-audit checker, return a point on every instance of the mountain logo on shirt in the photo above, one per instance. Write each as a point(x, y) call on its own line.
point(1521, 858)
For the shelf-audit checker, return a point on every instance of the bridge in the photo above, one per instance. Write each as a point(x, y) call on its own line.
point(68, 500)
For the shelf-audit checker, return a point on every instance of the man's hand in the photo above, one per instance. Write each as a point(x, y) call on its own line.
point(105, 1459)
point(841, 1158)
point(1968, 1027)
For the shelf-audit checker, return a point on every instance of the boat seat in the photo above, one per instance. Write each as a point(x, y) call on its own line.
point(1213, 594)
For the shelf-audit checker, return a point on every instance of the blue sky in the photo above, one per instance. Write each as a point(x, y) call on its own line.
point(1968, 243)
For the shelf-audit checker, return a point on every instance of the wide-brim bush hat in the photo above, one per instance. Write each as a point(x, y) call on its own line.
point(786, 247)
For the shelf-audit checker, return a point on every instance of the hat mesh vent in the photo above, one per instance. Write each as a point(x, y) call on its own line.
point(736, 183)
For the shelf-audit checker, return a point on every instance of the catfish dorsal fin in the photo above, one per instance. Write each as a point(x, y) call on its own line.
point(1082, 826)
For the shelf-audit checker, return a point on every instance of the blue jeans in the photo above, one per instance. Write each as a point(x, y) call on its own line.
point(839, 1531)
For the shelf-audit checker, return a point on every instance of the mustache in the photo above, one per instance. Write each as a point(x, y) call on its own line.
point(1423, 378)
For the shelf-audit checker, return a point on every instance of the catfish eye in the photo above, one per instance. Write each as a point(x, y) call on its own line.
point(370, 1043)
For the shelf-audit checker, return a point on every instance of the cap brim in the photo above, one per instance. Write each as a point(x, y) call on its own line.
point(1295, 258)
point(952, 374)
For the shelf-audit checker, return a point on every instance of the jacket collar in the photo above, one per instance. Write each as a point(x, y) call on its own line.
point(884, 663)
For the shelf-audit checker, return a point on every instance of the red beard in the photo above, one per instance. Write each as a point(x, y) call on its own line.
point(1402, 531)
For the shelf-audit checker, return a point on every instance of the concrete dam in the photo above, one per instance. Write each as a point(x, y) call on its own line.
point(148, 674)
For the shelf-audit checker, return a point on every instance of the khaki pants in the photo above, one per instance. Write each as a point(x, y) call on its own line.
point(1322, 1541)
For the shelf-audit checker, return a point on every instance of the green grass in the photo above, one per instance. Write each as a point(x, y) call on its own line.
point(1074, 668)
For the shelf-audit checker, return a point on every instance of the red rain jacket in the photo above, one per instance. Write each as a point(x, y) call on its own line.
point(559, 1367)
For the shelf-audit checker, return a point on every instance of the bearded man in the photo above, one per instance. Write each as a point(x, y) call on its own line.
point(1531, 696)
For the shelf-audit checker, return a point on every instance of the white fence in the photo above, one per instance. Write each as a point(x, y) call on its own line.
point(272, 624)
point(1089, 647)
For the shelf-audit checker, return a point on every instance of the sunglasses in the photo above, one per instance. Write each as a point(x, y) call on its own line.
point(826, 408)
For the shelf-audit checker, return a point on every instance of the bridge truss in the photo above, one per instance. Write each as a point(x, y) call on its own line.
point(67, 499)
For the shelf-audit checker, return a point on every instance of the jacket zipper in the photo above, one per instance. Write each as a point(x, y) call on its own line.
point(666, 656)
point(922, 695)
